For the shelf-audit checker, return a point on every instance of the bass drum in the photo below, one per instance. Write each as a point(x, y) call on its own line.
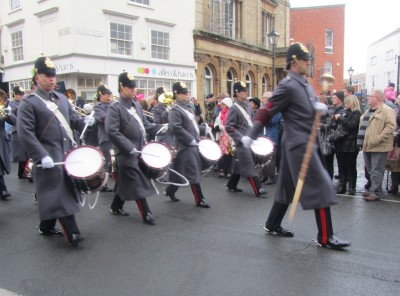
point(155, 158)
point(85, 166)
point(261, 149)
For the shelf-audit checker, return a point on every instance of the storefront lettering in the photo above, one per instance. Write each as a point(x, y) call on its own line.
point(175, 73)
point(67, 67)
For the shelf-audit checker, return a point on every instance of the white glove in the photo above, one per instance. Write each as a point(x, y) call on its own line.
point(47, 162)
point(164, 129)
point(208, 130)
point(318, 106)
point(194, 143)
point(89, 120)
point(133, 151)
point(246, 141)
point(8, 110)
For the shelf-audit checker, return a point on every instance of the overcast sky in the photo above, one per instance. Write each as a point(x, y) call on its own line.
point(365, 22)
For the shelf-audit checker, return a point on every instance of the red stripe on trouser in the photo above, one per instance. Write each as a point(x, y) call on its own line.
point(140, 206)
point(195, 194)
point(65, 231)
point(253, 184)
point(324, 230)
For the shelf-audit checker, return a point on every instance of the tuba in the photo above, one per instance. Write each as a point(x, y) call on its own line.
point(167, 99)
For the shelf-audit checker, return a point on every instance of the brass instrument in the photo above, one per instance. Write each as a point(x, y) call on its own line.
point(80, 111)
point(3, 105)
point(167, 99)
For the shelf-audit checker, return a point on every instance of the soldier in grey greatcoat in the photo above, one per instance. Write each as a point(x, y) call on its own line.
point(5, 116)
point(103, 95)
point(19, 154)
point(296, 100)
point(47, 141)
point(186, 135)
point(238, 123)
point(127, 127)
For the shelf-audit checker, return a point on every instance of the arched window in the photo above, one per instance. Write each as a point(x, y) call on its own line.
point(229, 82)
point(208, 81)
point(264, 83)
point(248, 84)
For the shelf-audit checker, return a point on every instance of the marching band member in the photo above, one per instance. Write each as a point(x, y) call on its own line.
point(296, 100)
point(18, 153)
point(237, 125)
point(186, 134)
point(127, 128)
point(44, 123)
point(103, 95)
point(5, 117)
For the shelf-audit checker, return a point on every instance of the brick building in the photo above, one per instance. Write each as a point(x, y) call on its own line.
point(321, 29)
point(230, 40)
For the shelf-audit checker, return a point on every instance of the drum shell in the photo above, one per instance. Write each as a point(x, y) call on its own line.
point(155, 172)
point(264, 156)
point(92, 182)
point(214, 151)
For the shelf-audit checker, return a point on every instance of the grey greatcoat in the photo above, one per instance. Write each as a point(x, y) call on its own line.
point(237, 126)
point(187, 161)
point(18, 152)
point(294, 98)
point(125, 134)
point(4, 152)
point(42, 135)
point(100, 116)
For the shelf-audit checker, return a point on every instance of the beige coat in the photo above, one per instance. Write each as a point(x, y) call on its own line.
point(380, 130)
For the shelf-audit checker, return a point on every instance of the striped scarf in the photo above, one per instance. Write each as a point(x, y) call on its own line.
point(363, 127)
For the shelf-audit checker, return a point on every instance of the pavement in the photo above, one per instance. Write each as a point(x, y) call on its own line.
point(192, 251)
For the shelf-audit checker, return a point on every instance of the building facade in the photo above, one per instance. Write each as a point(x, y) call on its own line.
point(321, 30)
point(383, 62)
point(231, 43)
point(91, 44)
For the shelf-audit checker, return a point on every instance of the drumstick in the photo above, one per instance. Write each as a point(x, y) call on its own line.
point(86, 125)
point(63, 162)
point(148, 153)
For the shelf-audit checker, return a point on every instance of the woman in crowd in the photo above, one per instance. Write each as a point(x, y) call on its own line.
point(223, 138)
point(346, 148)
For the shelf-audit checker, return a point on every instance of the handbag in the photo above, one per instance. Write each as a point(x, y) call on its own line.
point(327, 147)
point(338, 133)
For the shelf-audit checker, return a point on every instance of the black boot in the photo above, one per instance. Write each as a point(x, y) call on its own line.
point(352, 185)
point(395, 186)
point(342, 185)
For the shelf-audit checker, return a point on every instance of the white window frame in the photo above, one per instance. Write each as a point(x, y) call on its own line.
point(124, 40)
point(248, 84)
point(329, 40)
point(230, 81)
point(14, 5)
point(265, 83)
point(13, 48)
point(168, 48)
point(208, 80)
point(328, 67)
point(389, 55)
point(221, 22)
point(374, 60)
point(140, 2)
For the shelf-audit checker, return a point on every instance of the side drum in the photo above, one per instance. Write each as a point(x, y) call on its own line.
point(210, 153)
point(155, 159)
point(261, 149)
point(85, 166)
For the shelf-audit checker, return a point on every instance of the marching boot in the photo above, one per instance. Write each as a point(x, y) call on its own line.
point(342, 185)
point(71, 230)
point(273, 224)
point(144, 210)
point(170, 192)
point(325, 230)
point(352, 185)
point(257, 189)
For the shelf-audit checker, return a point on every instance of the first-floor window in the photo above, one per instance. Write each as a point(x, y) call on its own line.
point(159, 45)
point(208, 79)
point(14, 4)
point(143, 2)
point(17, 46)
point(121, 39)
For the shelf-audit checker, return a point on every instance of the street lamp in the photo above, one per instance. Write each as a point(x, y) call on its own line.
point(350, 71)
point(273, 40)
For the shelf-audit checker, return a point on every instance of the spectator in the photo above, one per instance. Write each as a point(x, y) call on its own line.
point(210, 109)
point(255, 104)
point(347, 149)
point(375, 136)
point(390, 94)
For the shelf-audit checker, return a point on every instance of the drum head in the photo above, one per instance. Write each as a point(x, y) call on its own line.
point(262, 146)
point(83, 161)
point(210, 150)
point(156, 155)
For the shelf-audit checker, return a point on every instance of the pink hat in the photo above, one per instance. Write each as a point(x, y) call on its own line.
point(139, 97)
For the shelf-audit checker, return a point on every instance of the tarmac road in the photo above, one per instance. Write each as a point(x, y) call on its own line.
point(193, 251)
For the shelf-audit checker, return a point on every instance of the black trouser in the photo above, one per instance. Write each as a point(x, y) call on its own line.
point(21, 169)
point(117, 203)
point(143, 207)
point(322, 216)
point(225, 164)
point(68, 224)
point(347, 162)
point(2, 184)
point(196, 189)
point(329, 164)
point(234, 181)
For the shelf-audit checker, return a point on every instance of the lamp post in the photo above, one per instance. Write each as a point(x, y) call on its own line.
point(273, 40)
point(350, 71)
